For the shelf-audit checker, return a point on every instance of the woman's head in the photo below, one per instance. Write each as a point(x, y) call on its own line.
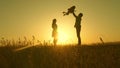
point(54, 20)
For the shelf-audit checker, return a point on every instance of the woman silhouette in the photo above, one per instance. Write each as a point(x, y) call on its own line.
point(54, 32)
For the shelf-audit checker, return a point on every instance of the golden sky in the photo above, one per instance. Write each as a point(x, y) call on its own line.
point(33, 17)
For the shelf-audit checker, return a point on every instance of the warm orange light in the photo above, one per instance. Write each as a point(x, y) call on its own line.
point(62, 37)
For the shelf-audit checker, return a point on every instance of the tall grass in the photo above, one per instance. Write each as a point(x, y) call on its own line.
point(24, 42)
point(94, 56)
point(100, 55)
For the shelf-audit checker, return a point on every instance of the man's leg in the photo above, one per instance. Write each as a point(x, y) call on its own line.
point(78, 36)
point(79, 40)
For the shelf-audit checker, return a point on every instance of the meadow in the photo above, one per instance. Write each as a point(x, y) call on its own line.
point(105, 55)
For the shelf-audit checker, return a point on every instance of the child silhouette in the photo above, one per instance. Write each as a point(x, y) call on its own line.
point(70, 10)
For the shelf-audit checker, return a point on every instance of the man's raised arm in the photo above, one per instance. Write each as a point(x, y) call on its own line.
point(74, 15)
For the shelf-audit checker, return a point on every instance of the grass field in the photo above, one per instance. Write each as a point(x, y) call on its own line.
point(86, 56)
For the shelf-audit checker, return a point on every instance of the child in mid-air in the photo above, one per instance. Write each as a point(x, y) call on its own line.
point(70, 10)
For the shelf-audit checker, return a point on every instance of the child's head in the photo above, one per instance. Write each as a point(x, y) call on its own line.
point(71, 9)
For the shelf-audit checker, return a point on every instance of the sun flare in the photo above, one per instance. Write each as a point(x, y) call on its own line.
point(62, 37)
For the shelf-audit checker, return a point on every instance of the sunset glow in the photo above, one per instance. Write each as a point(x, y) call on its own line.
point(62, 37)
point(27, 18)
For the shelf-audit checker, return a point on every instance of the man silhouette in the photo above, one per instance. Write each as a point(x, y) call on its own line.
point(78, 25)
point(54, 32)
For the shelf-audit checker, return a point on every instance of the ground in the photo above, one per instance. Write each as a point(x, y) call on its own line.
point(85, 56)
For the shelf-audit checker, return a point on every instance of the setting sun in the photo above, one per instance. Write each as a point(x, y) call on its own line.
point(62, 37)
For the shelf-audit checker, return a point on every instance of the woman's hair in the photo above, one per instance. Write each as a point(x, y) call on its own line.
point(54, 20)
point(54, 23)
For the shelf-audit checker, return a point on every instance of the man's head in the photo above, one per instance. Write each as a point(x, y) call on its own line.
point(80, 14)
